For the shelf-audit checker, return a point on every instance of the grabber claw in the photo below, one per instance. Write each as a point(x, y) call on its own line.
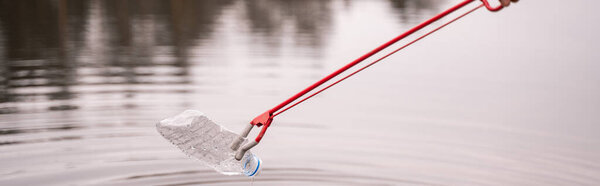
point(263, 120)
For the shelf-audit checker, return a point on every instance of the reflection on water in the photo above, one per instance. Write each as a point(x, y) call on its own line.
point(83, 82)
point(54, 46)
point(408, 10)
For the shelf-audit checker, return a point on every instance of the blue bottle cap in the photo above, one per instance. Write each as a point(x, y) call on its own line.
point(251, 165)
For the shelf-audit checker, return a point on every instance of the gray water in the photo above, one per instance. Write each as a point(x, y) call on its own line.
point(508, 98)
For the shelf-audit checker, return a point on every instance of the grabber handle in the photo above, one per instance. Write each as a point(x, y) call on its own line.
point(490, 7)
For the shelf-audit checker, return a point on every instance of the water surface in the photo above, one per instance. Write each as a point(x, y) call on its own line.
point(508, 98)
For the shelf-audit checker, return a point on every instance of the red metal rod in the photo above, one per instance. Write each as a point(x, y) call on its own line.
point(267, 118)
point(381, 58)
point(371, 53)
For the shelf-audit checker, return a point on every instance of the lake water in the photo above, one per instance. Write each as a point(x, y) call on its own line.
point(508, 98)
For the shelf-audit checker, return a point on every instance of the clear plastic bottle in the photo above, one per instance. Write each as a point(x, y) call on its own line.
point(199, 137)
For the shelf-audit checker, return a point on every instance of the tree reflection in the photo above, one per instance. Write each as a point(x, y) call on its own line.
point(36, 35)
point(310, 19)
point(404, 7)
point(53, 49)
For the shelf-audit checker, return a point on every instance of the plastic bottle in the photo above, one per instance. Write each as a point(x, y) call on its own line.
point(199, 137)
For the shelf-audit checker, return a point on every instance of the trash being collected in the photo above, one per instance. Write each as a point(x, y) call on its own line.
point(199, 137)
point(229, 153)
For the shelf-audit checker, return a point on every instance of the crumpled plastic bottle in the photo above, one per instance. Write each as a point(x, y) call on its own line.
point(199, 137)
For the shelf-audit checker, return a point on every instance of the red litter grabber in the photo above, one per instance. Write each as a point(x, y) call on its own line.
point(265, 119)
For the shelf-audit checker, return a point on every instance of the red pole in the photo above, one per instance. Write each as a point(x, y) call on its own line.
point(267, 118)
point(371, 53)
